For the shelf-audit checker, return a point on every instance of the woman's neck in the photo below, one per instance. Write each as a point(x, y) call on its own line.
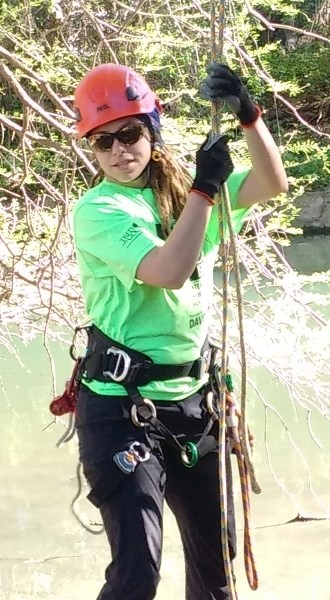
point(140, 183)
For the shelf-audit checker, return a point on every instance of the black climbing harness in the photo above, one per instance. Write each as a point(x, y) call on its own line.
point(108, 361)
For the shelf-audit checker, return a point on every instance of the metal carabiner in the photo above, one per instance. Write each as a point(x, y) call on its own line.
point(135, 412)
point(141, 454)
point(123, 364)
point(128, 459)
point(73, 346)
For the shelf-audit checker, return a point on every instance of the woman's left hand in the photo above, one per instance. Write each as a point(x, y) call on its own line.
point(223, 84)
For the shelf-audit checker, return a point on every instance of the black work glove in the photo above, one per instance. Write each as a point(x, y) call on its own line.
point(213, 165)
point(223, 84)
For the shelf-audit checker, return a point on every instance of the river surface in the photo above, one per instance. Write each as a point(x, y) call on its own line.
point(46, 553)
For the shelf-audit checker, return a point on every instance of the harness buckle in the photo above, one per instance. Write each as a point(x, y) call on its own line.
point(121, 368)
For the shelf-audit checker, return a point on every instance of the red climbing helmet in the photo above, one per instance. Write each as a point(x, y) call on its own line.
point(109, 92)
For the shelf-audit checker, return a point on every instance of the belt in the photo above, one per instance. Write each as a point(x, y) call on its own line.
point(109, 361)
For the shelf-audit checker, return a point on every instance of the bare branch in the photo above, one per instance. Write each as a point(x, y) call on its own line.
point(44, 85)
point(27, 100)
point(273, 26)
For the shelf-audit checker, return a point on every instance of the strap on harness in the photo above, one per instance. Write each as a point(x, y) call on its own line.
point(109, 361)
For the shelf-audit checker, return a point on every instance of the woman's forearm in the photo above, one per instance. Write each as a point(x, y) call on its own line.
point(171, 264)
point(266, 160)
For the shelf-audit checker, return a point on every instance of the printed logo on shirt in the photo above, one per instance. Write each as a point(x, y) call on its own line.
point(196, 320)
point(130, 235)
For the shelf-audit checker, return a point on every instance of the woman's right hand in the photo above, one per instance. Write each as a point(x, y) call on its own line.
point(171, 264)
point(213, 165)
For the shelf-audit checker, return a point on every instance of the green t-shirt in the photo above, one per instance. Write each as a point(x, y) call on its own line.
point(114, 227)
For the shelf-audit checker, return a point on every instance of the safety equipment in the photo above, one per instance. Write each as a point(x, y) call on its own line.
point(223, 84)
point(67, 402)
point(213, 165)
point(126, 461)
point(109, 361)
point(110, 92)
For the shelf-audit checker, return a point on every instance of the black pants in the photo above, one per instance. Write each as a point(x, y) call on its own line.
point(133, 513)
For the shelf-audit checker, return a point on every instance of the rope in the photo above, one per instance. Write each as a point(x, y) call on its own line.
point(69, 432)
point(243, 423)
point(223, 497)
point(234, 429)
point(216, 52)
point(74, 510)
point(246, 470)
point(249, 561)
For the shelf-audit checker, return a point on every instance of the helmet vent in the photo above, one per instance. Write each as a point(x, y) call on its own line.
point(131, 93)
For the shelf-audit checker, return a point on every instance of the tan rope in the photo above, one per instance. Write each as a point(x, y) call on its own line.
point(216, 55)
point(243, 455)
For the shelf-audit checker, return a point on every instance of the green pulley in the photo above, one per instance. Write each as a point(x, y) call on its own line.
point(189, 455)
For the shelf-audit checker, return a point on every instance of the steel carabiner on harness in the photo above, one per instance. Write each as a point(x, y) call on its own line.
point(189, 452)
point(135, 412)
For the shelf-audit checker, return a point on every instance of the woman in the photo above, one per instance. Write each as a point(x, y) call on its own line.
point(146, 239)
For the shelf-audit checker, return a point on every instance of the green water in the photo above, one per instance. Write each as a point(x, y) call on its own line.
point(45, 553)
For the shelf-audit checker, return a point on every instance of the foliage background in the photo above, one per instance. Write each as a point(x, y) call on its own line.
point(280, 48)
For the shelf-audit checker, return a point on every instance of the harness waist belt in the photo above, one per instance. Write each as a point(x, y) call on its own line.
point(108, 361)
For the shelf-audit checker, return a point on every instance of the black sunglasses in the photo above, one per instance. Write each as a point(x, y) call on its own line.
point(128, 135)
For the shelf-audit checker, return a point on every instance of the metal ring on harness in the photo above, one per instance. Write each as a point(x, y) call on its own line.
point(135, 412)
point(189, 455)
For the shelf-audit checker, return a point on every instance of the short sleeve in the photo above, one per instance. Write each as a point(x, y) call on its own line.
point(111, 241)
